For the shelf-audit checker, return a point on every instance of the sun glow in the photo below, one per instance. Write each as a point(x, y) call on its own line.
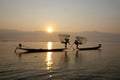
point(49, 29)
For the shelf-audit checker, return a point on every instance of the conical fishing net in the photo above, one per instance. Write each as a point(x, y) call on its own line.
point(63, 37)
point(81, 40)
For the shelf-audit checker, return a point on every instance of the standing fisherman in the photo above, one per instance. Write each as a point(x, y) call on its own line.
point(66, 42)
point(64, 38)
point(79, 40)
point(76, 42)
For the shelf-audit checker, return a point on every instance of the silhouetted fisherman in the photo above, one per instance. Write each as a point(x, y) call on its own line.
point(66, 42)
point(77, 43)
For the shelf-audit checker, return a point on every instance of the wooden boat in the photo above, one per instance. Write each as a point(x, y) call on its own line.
point(40, 50)
point(91, 48)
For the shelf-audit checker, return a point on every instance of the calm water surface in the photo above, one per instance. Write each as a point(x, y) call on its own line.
point(67, 65)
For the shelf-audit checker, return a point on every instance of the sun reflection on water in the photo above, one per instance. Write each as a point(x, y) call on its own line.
point(49, 61)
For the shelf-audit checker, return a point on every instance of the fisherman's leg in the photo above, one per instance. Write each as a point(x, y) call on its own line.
point(76, 46)
point(65, 45)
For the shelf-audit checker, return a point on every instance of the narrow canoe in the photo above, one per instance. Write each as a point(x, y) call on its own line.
point(91, 48)
point(41, 50)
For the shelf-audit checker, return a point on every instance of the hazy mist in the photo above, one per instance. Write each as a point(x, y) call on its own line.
point(15, 35)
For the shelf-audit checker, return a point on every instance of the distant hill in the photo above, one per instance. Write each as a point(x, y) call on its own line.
point(15, 35)
point(101, 36)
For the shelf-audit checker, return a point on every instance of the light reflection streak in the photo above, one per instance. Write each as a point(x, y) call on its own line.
point(49, 61)
point(49, 45)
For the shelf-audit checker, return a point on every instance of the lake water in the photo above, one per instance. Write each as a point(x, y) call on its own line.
point(101, 64)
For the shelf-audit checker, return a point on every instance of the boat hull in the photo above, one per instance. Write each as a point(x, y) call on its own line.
point(91, 48)
point(41, 50)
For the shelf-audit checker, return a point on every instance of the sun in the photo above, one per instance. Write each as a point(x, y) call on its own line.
point(49, 30)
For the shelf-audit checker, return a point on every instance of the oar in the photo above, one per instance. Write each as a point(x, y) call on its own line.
point(71, 46)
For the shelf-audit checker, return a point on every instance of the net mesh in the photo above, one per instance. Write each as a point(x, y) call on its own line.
point(63, 37)
point(81, 40)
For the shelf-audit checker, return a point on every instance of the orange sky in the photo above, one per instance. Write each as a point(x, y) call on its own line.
point(61, 15)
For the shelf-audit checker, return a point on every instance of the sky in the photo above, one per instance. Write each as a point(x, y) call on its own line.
point(61, 15)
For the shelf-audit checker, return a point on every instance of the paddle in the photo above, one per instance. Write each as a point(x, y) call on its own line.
point(71, 46)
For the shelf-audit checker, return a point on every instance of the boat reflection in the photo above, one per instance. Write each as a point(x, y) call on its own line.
point(49, 60)
point(66, 59)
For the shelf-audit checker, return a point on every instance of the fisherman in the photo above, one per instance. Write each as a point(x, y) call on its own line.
point(76, 42)
point(66, 42)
